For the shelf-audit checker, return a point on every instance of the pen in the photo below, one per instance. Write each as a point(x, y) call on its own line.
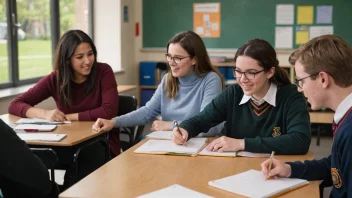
point(271, 163)
point(31, 130)
point(178, 129)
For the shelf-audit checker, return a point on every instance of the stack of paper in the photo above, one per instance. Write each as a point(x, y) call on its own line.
point(34, 128)
point(38, 121)
point(50, 137)
point(175, 191)
point(167, 135)
point(168, 147)
point(233, 154)
point(244, 183)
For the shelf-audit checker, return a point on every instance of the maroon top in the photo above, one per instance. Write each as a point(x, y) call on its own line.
point(101, 103)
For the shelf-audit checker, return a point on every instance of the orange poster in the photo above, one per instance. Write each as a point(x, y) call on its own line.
point(206, 19)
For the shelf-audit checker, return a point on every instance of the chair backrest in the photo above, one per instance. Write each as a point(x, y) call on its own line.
point(127, 104)
point(50, 160)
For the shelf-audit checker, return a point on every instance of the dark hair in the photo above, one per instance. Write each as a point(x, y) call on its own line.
point(328, 53)
point(194, 46)
point(64, 50)
point(265, 55)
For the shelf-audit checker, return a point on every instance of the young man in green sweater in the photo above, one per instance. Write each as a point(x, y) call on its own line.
point(264, 112)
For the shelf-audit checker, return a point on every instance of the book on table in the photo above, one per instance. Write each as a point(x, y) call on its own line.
point(39, 121)
point(46, 137)
point(34, 128)
point(158, 146)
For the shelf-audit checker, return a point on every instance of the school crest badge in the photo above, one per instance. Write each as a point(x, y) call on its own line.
point(336, 178)
point(276, 131)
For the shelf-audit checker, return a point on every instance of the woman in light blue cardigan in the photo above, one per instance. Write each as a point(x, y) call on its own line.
point(190, 84)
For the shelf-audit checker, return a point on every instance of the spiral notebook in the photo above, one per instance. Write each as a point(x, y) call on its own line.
point(233, 154)
point(244, 183)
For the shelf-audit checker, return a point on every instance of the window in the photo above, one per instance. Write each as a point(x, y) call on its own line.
point(26, 40)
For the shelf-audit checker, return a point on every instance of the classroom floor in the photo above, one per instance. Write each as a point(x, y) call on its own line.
point(321, 151)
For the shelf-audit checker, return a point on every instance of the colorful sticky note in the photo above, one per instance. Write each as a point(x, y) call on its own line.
point(302, 37)
point(305, 14)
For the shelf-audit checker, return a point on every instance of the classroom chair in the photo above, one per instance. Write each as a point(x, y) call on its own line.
point(128, 104)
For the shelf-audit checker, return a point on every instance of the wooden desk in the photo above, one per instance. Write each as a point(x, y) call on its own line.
point(77, 132)
point(124, 88)
point(131, 175)
point(321, 117)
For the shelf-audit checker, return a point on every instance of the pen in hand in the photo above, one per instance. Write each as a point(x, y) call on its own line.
point(271, 164)
point(178, 129)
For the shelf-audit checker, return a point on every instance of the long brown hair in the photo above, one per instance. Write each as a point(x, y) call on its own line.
point(64, 50)
point(261, 51)
point(194, 46)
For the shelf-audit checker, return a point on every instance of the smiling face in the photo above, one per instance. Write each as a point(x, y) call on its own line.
point(82, 62)
point(258, 86)
point(310, 87)
point(185, 66)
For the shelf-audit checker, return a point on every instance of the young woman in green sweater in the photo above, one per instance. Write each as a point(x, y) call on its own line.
point(264, 112)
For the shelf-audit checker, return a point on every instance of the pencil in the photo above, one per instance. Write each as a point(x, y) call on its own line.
point(178, 129)
point(271, 163)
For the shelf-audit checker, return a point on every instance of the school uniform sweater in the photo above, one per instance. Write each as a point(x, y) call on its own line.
point(335, 170)
point(284, 128)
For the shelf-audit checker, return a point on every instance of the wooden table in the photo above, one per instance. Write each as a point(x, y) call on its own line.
point(124, 88)
point(77, 132)
point(131, 175)
point(321, 118)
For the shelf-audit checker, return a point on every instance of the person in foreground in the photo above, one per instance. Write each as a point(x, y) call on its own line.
point(190, 84)
point(323, 71)
point(83, 90)
point(22, 174)
point(264, 112)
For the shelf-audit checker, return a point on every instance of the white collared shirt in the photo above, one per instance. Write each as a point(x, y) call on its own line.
point(270, 97)
point(342, 109)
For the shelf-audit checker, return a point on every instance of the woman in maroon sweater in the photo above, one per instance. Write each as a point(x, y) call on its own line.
point(82, 88)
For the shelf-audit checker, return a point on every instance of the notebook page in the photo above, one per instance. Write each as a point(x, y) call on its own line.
point(38, 121)
point(175, 191)
point(161, 135)
point(34, 127)
point(49, 137)
point(193, 145)
point(239, 184)
point(220, 154)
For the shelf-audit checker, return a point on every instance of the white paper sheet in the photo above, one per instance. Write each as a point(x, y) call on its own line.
point(175, 191)
point(283, 37)
point(49, 137)
point(38, 121)
point(34, 128)
point(285, 14)
point(167, 146)
point(315, 31)
point(239, 184)
point(161, 135)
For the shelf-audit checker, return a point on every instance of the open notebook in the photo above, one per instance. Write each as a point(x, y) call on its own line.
point(244, 183)
point(48, 137)
point(34, 128)
point(233, 154)
point(38, 121)
point(168, 147)
point(174, 191)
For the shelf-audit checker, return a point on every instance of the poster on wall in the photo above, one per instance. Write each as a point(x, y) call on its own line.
point(206, 19)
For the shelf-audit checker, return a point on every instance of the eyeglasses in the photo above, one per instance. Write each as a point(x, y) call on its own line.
point(299, 82)
point(176, 59)
point(248, 75)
